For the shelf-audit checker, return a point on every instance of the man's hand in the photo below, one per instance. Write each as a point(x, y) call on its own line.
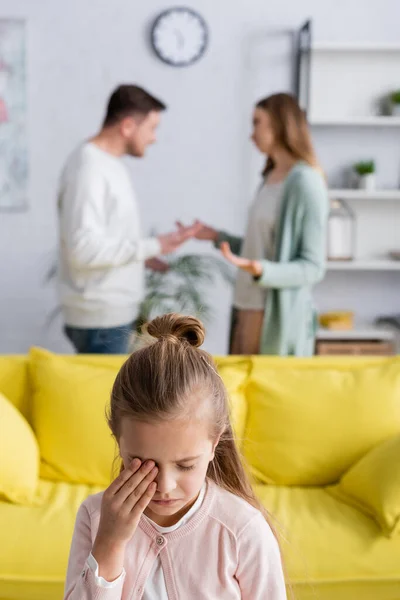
point(157, 265)
point(254, 267)
point(171, 241)
point(203, 231)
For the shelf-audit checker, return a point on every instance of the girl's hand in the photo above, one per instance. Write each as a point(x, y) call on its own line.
point(124, 501)
point(254, 267)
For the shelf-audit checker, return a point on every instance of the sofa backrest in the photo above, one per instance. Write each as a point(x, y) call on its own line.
point(298, 421)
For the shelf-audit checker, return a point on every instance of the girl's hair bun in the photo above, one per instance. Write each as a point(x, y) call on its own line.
point(177, 328)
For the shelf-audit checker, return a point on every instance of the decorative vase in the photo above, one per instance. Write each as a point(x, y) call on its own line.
point(341, 231)
point(367, 182)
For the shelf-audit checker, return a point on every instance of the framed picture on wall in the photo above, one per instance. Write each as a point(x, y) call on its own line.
point(13, 116)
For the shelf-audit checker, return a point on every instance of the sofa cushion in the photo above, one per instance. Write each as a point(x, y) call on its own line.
point(373, 485)
point(14, 382)
point(68, 413)
point(35, 541)
point(19, 455)
point(309, 420)
point(331, 550)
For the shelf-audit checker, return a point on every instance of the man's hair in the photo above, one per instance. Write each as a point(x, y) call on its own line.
point(130, 100)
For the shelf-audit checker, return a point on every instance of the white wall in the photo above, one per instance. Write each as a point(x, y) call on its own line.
point(203, 165)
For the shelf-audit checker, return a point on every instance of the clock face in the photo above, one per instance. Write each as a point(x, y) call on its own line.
point(179, 36)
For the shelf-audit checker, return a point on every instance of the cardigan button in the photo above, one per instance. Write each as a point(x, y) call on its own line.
point(160, 540)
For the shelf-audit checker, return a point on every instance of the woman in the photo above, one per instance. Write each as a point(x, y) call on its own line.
point(282, 255)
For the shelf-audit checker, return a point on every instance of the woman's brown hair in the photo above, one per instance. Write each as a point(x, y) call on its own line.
point(290, 127)
point(163, 381)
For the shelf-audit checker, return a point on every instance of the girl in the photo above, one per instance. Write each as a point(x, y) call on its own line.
point(181, 521)
point(283, 251)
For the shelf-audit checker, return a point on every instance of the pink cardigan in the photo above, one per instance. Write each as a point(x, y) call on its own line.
point(227, 551)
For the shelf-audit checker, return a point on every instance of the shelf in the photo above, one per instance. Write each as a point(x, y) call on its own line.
point(353, 194)
point(358, 333)
point(364, 265)
point(357, 122)
point(354, 47)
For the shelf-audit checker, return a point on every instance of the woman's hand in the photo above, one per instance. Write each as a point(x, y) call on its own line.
point(170, 242)
point(254, 267)
point(202, 231)
point(124, 502)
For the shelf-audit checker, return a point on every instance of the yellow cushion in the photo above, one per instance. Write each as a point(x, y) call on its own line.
point(310, 420)
point(234, 373)
point(373, 485)
point(35, 541)
point(14, 382)
point(68, 412)
point(19, 455)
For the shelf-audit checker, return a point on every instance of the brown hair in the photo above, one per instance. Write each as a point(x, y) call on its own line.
point(128, 100)
point(161, 381)
point(290, 128)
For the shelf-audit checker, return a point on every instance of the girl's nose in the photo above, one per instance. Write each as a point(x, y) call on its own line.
point(165, 482)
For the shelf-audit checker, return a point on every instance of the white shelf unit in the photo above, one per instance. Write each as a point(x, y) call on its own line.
point(349, 84)
point(364, 265)
point(371, 195)
point(367, 121)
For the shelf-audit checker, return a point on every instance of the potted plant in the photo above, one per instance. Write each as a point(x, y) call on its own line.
point(395, 103)
point(183, 288)
point(366, 174)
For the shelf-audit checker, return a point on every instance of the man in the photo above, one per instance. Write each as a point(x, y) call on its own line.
point(102, 252)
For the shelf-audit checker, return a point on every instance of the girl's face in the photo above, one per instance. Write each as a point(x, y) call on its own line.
point(263, 134)
point(182, 450)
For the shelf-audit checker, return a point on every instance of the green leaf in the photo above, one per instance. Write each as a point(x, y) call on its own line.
point(184, 287)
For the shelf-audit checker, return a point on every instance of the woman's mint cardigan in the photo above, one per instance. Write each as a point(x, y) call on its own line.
point(290, 322)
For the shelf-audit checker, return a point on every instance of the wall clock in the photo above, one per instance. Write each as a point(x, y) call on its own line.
point(179, 36)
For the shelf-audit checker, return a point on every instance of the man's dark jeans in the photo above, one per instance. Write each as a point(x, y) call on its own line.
point(110, 340)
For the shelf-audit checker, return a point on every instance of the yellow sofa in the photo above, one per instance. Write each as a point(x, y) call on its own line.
point(321, 437)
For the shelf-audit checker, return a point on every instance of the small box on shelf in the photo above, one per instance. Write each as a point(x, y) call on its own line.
point(355, 348)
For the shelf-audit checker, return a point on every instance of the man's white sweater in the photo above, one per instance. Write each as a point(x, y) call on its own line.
point(102, 253)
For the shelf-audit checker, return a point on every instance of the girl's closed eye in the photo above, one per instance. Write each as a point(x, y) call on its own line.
point(185, 468)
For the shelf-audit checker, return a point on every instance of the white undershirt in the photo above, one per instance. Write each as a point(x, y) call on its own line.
point(155, 588)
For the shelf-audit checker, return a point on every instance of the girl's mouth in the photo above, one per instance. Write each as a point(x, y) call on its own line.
point(164, 502)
